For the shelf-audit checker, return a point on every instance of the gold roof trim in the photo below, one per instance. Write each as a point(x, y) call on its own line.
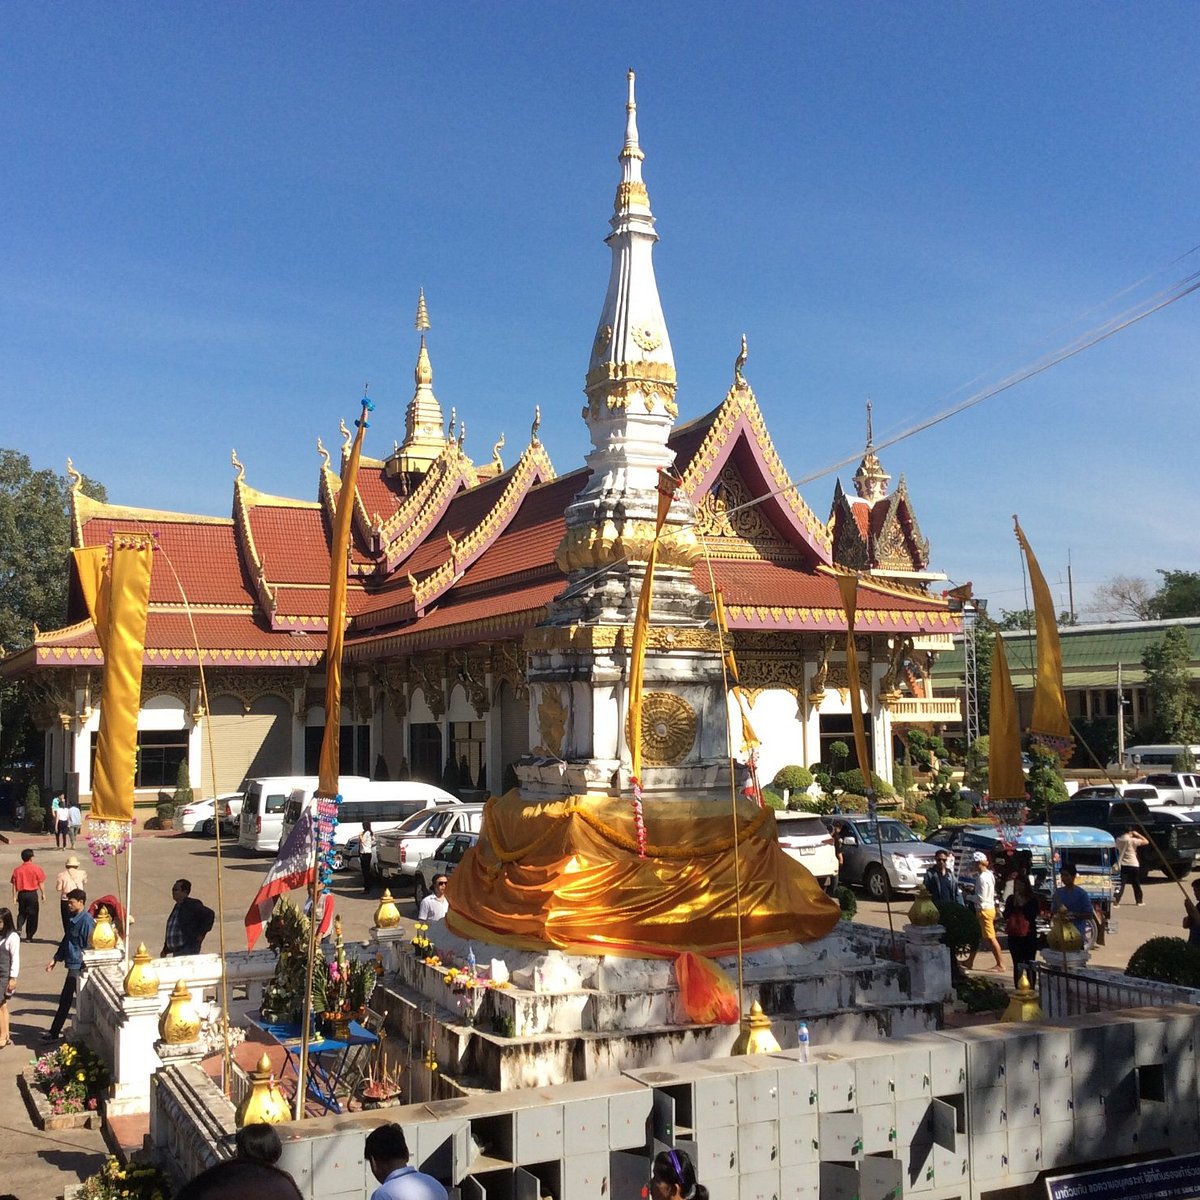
point(740, 401)
point(407, 527)
point(533, 463)
point(88, 509)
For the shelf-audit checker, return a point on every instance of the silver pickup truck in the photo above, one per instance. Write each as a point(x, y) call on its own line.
point(1175, 788)
point(399, 850)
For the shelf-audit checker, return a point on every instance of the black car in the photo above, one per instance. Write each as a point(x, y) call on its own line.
point(1174, 840)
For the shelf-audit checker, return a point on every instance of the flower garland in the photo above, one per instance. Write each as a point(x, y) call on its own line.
point(106, 839)
point(327, 823)
point(639, 820)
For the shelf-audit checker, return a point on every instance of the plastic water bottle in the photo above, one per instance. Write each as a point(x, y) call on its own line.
point(471, 959)
point(802, 1035)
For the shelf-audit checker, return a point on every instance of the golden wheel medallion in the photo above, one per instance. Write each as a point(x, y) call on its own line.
point(668, 729)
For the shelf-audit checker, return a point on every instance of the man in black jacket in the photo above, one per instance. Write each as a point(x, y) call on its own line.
point(187, 922)
point(939, 880)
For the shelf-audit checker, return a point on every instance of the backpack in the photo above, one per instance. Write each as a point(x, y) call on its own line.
point(1017, 925)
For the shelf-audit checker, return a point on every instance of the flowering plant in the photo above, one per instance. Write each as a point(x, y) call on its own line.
point(71, 1077)
point(342, 984)
point(116, 1182)
point(422, 946)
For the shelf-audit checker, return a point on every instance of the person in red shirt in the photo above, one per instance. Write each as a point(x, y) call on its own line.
point(29, 890)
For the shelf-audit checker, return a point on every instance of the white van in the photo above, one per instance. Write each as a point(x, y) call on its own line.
point(1160, 758)
point(261, 824)
point(385, 803)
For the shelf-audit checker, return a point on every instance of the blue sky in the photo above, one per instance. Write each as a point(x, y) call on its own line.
point(215, 219)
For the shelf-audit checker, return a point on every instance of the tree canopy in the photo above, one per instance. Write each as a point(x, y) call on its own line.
point(1177, 596)
point(1174, 713)
point(1125, 597)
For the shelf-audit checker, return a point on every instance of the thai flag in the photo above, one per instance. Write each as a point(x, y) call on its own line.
point(294, 867)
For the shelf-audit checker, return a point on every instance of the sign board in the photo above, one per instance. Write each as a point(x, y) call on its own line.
point(1158, 1179)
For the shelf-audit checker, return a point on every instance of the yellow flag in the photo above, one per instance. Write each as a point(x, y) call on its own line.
point(118, 598)
point(338, 552)
point(848, 586)
point(1050, 725)
point(641, 628)
point(1006, 779)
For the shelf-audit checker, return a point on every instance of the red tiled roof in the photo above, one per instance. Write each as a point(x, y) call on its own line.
point(379, 495)
point(465, 512)
point(203, 553)
point(230, 638)
point(291, 544)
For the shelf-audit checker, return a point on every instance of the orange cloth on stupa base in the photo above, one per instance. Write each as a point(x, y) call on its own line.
point(565, 874)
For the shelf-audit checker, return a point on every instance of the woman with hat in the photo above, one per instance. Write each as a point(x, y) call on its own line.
point(72, 876)
point(985, 906)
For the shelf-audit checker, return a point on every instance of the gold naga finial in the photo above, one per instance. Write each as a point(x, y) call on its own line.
point(75, 476)
point(237, 466)
point(739, 380)
point(462, 434)
point(537, 423)
point(422, 322)
point(496, 454)
point(324, 455)
point(346, 434)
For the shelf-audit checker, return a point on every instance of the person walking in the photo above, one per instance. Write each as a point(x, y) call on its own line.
point(985, 906)
point(62, 823)
point(10, 968)
point(940, 881)
point(673, 1177)
point(70, 953)
point(386, 1152)
point(187, 923)
point(366, 855)
point(54, 805)
point(72, 876)
point(29, 890)
point(74, 821)
point(1131, 869)
point(1020, 924)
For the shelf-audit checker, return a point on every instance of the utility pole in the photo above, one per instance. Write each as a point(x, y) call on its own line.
point(1120, 718)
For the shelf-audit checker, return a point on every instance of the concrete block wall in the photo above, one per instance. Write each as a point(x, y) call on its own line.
point(952, 1113)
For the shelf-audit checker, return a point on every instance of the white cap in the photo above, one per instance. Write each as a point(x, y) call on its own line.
point(979, 856)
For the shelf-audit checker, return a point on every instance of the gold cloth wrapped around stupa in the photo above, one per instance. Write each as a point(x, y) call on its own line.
point(566, 874)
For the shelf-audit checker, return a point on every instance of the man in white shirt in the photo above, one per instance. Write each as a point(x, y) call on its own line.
point(435, 906)
point(985, 906)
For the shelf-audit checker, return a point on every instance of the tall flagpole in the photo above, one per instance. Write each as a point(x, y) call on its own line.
point(327, 786)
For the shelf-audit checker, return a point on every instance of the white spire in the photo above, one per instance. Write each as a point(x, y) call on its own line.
point(631, 365)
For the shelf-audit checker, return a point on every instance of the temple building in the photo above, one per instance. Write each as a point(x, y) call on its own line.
point(490, 605)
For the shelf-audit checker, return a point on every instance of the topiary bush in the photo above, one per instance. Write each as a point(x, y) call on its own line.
point(853, 781)
point(961, 928)
point(849, 802)
point(846, 900)
point(183, 787)
point(918, 822)
point(929, 811)
point(1167, 960)
point(35, 813)
point(792, 779)
point(772, 799)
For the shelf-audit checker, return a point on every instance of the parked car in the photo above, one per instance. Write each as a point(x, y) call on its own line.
point(191, 818)
point(805, 837)
point(399, 851)
point(1145, 792)
point(1174, 840)
point(442, 862)
point(1175, 787)
point(883, 856)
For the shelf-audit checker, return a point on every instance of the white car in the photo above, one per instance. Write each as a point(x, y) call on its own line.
point(399, 851)
point(804, 837)
point(192, 817)
point(201, 815)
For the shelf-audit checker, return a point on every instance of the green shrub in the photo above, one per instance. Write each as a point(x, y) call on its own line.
point(1167, 960)
point(903, 778)
point(772, 799)
point(981, 995)
point(847, 900)
point(183, 787)
point(35, 813)
point(792, 779)
point(962, 809)
point(961, 928)
point(916, 821)
point(976, 774)
point(852, 781)
point(850, 802)
point(807, 802)
point(929, 810)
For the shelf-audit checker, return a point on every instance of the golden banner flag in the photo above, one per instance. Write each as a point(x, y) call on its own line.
point(118, 598)
point(339, 551)
point(641, 627)
point(848, 586)
point(1006, 779)
point(1050, 726)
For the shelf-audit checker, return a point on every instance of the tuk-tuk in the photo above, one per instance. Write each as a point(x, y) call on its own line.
point(1092, 852)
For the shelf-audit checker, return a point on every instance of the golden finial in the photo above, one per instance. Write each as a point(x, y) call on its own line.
point(422, 313)
point(75, 477)
point(537, 423)
point(346, 434)
point(870, 434)
point(387, 915)
point(1023, 1004)
point(141, 980)
point(756, 1036)
point(453, 422)
point(324, 455)
point(496, 459)
point(739, 380)
point(462, 434)
point(237, 466)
